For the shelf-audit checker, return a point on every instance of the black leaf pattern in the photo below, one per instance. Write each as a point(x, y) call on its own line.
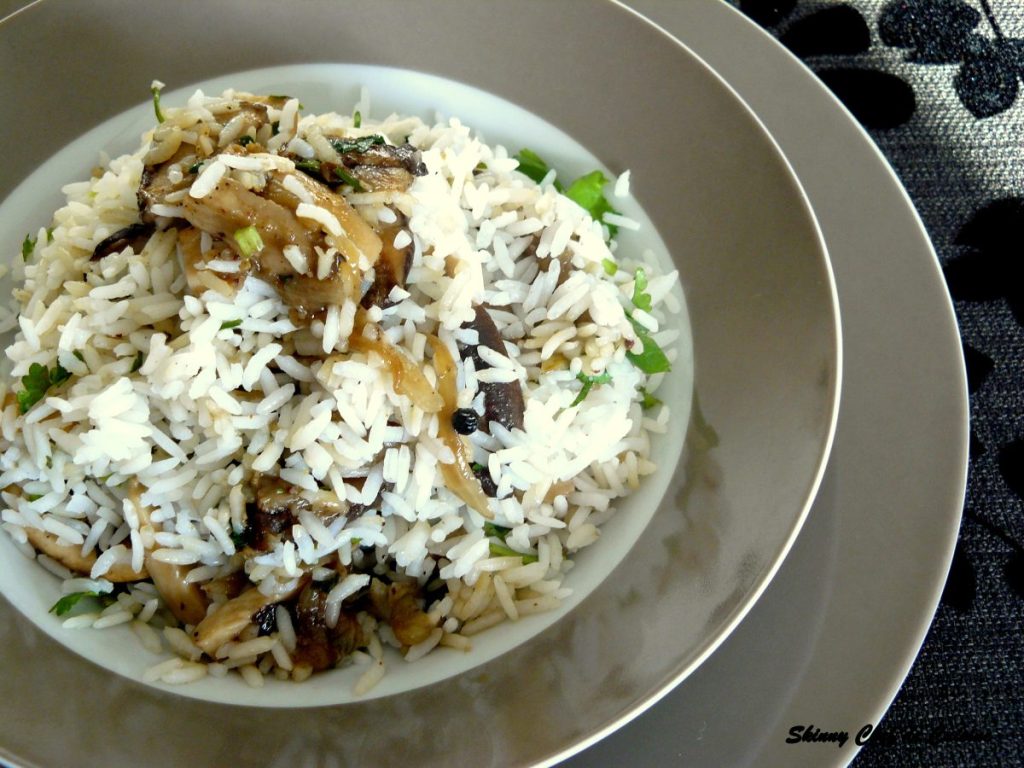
point(946, 32)
point(987, 268)
point(986, 82)
point(979, 366)
point(767, 13)
point(1011, 466)
point(835, 31)
point(1014, 572)
point(933, 31)
point(962, 582)
point(879, 100)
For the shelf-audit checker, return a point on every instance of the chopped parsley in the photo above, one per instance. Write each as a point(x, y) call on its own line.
point(244, 141)
point(155, 89)
point(28, 246)
point(610, 267)
point(348, 178)
point(311, 167)
point(249, 241)
point(647, 400)
point(137, 363)
point(357, 119)
point(49, 234)
point(587, 191)
point(641, 299)
point(37, 381)
point(500, 550)
point(491, 529)
point(66, 603)
point(588, 384)
point(652, 359)
point(362, 144)
point(229, 324)
point(238, 539)
point(194, 168)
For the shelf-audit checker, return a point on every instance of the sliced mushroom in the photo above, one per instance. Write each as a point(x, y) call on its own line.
point(71, 557)
point(317, 644)
point(406, 377)
point(503, 401)
point(157, 182)
point(276, 510)
point(134, 235)
point(229, 619)
point(399, 604)
point(459, 475)
point(392, 267)
point(185, 600)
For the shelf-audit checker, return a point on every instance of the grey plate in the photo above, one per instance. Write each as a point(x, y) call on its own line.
point(835, 634)
point(766, 342)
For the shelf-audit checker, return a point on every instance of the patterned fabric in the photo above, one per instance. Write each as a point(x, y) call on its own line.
point(937, 84)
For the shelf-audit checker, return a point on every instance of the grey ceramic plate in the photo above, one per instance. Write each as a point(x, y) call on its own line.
point(765, 341)
point(836, 632)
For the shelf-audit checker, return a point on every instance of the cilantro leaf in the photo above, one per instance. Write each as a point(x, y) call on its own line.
point(228, 324)
point(641, 299)
point(588, 384)
point(37, 381)
point(357, 119)
point(587, 192)
point(652, 359)
point(532, 166)
point(66, 603)
point(610, 267)
point(238, 538)
point(138, 362)
point(647, 400)
point(490, 529)
point(28, 245)
point(244, 141)
point(362, 144)
point(500, 550)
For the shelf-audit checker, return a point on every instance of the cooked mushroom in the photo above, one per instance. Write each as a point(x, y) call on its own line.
point(399, 605)
point(406, 378)
point(134, 235)
point(503, 401)
point(276, 510)
point(317, 644)
point(185, 600)
point(70, 556)
point(368, 164)
point(232, 617)
point(459, 475)
point(392, 267)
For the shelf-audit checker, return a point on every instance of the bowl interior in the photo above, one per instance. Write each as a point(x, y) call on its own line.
point(765, 345)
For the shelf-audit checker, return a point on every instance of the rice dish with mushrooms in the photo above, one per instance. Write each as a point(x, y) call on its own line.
point(287, 389)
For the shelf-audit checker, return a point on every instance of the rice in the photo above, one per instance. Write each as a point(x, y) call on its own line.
point(203, 416)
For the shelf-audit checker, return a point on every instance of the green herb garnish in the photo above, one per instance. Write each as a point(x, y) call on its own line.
point(244, 141)
point(647, 400)
point(68, 602)
point(249, 241)
point(275, 128)
point(357, 119)
point(587, 191)
point(238, 539)
point(28, 245)
point(137, 363)
point(37, 381)
point(641, 299)
point(362, 144)
point(155, 89)
point(652, 359)
point(500, 550)
point(228, 324)
point(194, 168)
point(610, 267)
point(348, 178)
point(490, 529)
point(309, 166)
point(49, 234)
point(532, 166)
point(588, 384)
